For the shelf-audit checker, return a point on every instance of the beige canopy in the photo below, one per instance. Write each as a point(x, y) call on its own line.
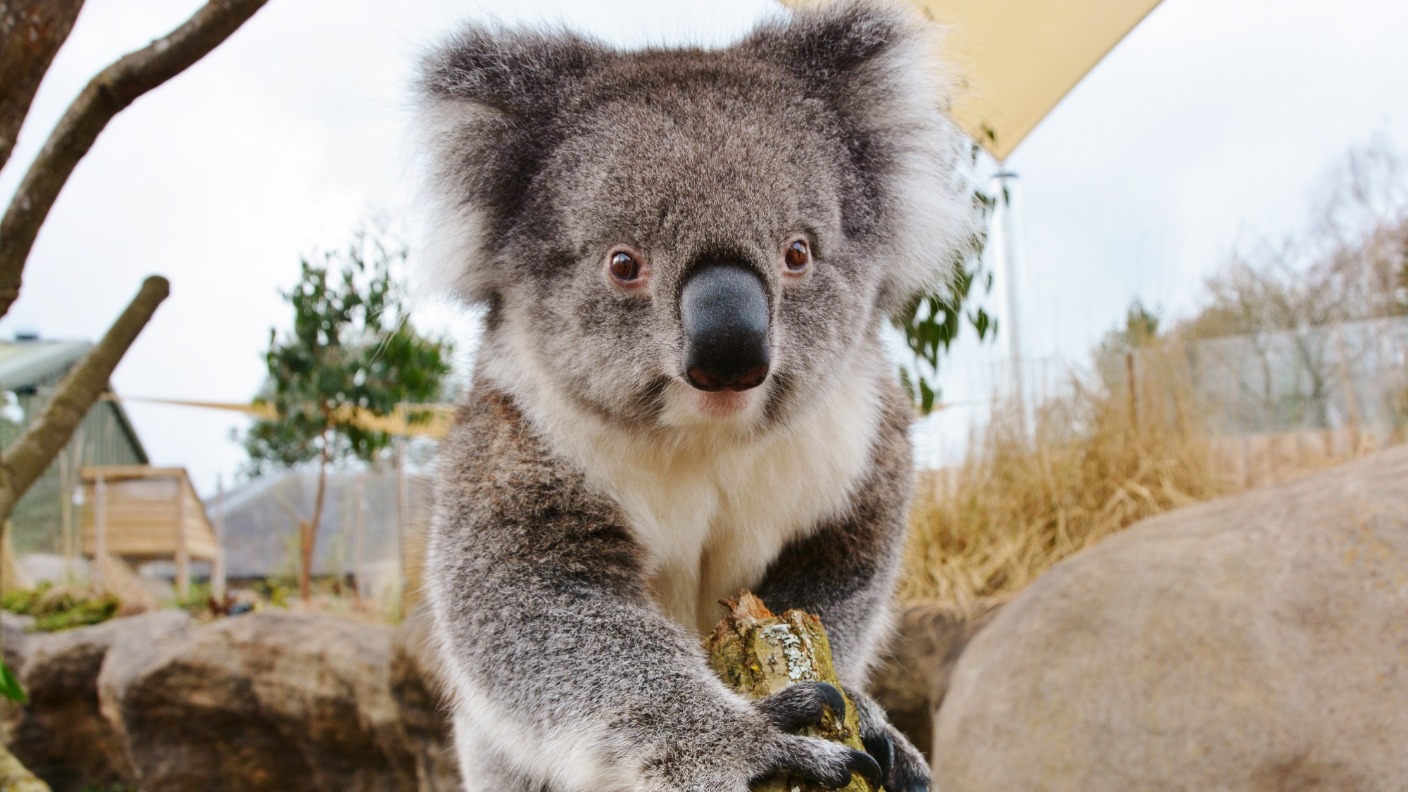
point(1019, 58)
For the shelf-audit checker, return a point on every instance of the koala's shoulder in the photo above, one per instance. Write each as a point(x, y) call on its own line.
point(494, 463)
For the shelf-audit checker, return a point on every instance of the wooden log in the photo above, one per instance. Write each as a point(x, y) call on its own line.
point(757, 653)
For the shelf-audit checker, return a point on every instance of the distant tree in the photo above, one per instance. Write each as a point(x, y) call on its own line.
point(351, 353)
point(1281, 297)
point(1112, 355)
point(31, 33)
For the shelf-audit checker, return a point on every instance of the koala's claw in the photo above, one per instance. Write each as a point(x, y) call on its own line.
point(905, 767)
point(834, 700)
point(802, 704)
point(863, 763)
point(882, 748)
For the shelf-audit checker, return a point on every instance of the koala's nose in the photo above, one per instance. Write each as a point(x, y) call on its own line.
point(724, 309)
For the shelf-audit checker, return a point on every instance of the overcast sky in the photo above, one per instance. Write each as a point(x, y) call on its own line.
point(1215, 121)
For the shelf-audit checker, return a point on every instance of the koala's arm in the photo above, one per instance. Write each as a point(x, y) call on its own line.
point(554, 653)
point(845, 571)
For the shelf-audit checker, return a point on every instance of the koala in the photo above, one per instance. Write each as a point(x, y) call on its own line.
point(684, 260)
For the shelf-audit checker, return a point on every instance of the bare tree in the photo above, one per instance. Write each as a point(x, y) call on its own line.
point(1289, 299)
point(31, 32)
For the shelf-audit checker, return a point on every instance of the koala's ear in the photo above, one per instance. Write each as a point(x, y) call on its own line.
point(908, 189)
point(488, 111)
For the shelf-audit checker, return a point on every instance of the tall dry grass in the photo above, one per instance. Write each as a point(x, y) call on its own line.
point(1095, 461)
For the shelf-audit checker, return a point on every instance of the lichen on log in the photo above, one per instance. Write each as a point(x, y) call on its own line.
point(758, 653)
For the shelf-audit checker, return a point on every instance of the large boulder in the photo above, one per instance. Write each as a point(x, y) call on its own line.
point(264, 701)
point(61, 734)
point(1258, 642)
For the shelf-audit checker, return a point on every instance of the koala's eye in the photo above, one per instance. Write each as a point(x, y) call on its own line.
point(797, 256)
point(626, 267)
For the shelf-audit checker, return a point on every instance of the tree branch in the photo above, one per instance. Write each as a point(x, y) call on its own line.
point(105, 96)
point(31, 32)
point(26, 458)
point(757, 653)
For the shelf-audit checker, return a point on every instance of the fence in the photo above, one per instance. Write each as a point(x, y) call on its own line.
point(1272, 404)
point(1282, 402)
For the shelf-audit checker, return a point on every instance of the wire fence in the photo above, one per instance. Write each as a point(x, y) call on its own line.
point(1287, 400)
point(1271, 404)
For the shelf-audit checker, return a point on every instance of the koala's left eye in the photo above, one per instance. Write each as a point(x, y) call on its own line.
point(797, 257)
point(627, 268)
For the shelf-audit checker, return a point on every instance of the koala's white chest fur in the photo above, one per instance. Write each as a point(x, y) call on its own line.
point(714, 515)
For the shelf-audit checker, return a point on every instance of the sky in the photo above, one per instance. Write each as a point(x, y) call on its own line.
point(1214, 123)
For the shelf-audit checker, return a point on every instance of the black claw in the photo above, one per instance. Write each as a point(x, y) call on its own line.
point(834, 700)
point(883, 749)
point(861, 762)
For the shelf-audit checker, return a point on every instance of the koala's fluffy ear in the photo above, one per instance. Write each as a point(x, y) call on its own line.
point(908, 191)
point(489, 102)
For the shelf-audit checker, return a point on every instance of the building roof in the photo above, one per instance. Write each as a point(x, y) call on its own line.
point(29, 366)
point(26, 365)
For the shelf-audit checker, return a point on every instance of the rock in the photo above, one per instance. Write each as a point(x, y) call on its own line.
point(913, 674)
point(262, 701)
point(423, 708)
point(61, 734)
point(14, 629)
point(1258, 642)
point(16, 634)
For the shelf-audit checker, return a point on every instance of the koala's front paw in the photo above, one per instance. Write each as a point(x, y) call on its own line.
point(902, 765)
point(820, 761)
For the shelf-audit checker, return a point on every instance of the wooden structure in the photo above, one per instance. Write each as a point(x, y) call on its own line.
point(141, 513)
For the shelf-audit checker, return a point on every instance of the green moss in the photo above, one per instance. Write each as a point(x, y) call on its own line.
point(61, 608)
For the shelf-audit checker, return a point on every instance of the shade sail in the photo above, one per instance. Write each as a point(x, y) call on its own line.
point(1017, 58)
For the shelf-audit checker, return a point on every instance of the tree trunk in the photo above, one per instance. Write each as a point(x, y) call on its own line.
point(27, 457)
point(107, 94)
point(31, 32)
point(308, 531)
point(757, 653)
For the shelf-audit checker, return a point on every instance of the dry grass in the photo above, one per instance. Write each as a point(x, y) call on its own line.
point(1094, 464)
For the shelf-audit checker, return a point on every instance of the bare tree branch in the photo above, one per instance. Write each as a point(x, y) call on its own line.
point(105, 96)
point(31, 32)
point(25, 460)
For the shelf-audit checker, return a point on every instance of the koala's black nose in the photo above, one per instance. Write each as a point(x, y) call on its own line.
point(724, 308)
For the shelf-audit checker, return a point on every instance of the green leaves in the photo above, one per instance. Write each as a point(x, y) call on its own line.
point(931, 322)
point(10, 686)
point(351, 348)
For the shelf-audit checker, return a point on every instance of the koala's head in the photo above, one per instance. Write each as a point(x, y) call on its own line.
point(683, 237)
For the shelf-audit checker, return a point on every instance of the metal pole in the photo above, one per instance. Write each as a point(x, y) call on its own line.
point(359, 560)
point(183, 555)
point(402, 497)
point(66, 512)
point(1005, 181)
point(100, 531)
point(217, 566)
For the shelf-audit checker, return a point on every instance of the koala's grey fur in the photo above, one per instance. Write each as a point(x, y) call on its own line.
point(593, 507)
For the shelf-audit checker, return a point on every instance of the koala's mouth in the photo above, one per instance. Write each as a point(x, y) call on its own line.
point(724, 403)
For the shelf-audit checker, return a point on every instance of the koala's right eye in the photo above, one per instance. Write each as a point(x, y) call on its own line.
point(626, 267)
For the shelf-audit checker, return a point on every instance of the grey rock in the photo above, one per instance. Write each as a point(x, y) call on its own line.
point(61, 734)
point(264, 701)
point(1258, 642)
